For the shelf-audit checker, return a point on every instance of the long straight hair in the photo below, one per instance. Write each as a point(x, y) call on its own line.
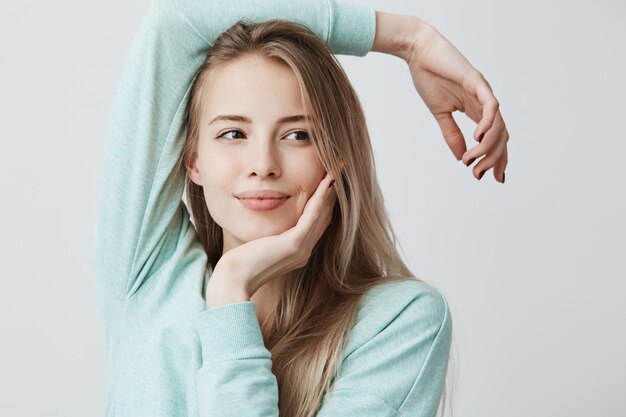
point(307, 331)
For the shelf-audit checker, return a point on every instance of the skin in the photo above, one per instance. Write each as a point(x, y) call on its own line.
point(234, 156)
point(446, 82)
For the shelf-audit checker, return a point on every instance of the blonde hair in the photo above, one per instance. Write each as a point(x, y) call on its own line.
point(306, 333)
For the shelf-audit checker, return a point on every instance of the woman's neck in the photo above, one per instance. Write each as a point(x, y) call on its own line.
point(267, 297)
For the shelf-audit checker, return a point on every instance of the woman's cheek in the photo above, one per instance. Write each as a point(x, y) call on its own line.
point(216, 201)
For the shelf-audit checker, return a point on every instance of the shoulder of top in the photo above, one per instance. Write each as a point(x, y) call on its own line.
point(416, 304)
point(394, 297)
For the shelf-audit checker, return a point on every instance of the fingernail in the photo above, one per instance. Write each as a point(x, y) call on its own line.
point(481, 174)
point(331, 183)
point(503, 175)
point(480, 138)
point(470, 161)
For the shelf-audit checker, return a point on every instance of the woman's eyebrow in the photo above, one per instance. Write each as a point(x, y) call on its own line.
point(244, 119)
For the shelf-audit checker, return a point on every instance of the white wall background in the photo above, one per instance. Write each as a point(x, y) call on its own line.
point(534, 269)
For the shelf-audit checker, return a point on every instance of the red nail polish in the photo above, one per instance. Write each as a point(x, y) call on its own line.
point(481, 174)
point(480, 138)
point(503, 175)
point(331, 183)
point(470, 161)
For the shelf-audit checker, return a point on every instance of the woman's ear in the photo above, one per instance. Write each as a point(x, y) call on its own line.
point(192, 169)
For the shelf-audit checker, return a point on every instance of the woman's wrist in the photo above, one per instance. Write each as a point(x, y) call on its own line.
point(223, 289)
point(398, 34)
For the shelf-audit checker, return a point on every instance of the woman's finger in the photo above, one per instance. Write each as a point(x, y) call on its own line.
point(500, 167)
point(491, 158)
point(452, 134)
point(488, 142)
point(312, 211)
point(490, 109)
point(324, 218)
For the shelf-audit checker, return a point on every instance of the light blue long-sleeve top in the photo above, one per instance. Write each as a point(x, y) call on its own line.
point(166, 354)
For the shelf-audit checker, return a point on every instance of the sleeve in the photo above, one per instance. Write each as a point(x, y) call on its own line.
point(141, 216)
point(398, 372)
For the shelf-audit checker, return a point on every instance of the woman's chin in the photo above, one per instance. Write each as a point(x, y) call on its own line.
point(254, 232)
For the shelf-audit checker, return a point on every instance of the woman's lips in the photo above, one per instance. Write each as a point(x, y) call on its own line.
point(262, 204)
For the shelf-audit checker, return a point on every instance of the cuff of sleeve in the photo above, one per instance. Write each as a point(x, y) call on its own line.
point(230, 332)
point(353, 27)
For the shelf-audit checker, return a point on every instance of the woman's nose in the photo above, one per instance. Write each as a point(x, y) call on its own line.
point(265, 160)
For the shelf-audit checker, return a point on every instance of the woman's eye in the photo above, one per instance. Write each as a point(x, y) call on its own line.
point(303, 138)
point(306, 135)
point(223, 135)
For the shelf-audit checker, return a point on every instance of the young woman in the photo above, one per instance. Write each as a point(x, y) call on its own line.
point(305, 292)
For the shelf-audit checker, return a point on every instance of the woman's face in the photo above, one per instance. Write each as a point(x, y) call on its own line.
point(244, 144)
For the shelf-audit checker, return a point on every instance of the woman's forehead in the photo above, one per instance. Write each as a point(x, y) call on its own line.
point(252, 89)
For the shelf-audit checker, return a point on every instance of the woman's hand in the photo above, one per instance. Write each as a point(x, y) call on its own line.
point(447, 82)
point(244, 269)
